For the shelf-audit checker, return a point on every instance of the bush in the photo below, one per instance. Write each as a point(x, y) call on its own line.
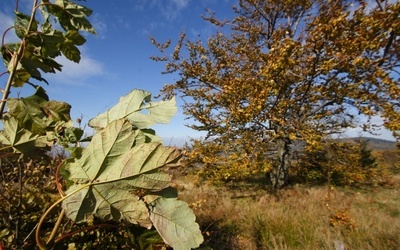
point(339, 163)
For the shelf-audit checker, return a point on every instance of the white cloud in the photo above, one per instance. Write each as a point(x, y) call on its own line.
point(6, 22)
point(99, 25)
point(181, 3)
point(380, 132)
point(74, 73)
point(170, 10)
point(165, 13)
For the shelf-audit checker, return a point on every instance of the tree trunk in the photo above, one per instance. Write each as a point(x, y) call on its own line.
point(280, 172)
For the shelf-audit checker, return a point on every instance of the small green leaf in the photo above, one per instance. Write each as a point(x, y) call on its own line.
point(175, 222)
point(32, 61)
point(65, 134)
point(70, 51)
point(73, 134)
point(56, 111)
point(21, 24)
point(21, 76)
point(7, 51)
point(75, 37)
point(71, 15)
point(38, 97)
point(48, 42)
point(30, 66)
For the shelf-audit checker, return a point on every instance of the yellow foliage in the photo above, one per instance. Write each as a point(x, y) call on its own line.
point(294, 78)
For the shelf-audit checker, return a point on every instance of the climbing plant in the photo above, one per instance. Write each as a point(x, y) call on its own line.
point(118, 176)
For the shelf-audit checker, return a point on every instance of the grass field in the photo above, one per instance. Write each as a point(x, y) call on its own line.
point(298, 217)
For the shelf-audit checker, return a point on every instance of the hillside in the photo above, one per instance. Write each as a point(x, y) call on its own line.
point(375, 143)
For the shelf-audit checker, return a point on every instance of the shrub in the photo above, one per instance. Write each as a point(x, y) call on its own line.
point(339, 163)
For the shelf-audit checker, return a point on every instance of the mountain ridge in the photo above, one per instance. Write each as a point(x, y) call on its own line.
point(374, 143)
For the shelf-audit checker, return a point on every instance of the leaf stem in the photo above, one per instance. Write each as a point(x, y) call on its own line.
point(15, 60)
point(58, 184)
point(55, 228)
point(61, 216)
point(39, 241)
point(90, 228)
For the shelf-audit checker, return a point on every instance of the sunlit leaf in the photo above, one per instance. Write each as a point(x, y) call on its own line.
point(20, 139)
point(107, 202)
point(36, 112)
point(175, 222)
point(111, 169)
point(28, 114)
point(72, 16)
point(138, 108)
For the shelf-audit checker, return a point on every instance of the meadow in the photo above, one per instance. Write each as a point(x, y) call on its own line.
point(299, 217)
point(245, 214)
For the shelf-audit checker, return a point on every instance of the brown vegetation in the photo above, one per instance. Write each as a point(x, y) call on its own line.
point(299, 217)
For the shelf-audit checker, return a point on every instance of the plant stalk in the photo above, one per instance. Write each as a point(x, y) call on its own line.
point(39, 241)
point(15, 60)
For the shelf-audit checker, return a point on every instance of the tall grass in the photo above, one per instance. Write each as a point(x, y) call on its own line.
point(298, 218)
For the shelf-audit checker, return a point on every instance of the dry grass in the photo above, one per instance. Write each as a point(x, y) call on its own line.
point(298, 217)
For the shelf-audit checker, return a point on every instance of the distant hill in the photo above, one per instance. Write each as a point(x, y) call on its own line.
point(375, 143)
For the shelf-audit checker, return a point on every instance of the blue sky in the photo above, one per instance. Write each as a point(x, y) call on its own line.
point(116, 60)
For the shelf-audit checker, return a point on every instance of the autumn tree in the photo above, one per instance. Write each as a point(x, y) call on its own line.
point(285, 71)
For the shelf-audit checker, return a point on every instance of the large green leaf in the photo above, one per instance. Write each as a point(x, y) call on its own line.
point(107, 202)
point(139, 110)
point(20, 139)
point(28, 114)
point(146, 135)
point(175, 222)
point(111, 170)
point(36, 112)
